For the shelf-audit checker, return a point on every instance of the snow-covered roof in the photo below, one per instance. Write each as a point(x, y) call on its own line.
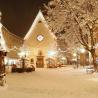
point(38, 18)
point(9, 42)
point(2, 41)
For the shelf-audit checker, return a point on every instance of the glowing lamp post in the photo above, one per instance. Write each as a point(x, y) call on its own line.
point(23, 55)
point(63, 59)
point(51, 55)
point(82, 56)
point(82, 50)
point(74, 59)
point(76, 55)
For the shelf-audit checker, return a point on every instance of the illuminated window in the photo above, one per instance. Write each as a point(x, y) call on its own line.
point(40, 37)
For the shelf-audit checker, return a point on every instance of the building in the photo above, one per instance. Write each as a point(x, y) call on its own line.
point(39, 40)
point(38, 45)
point(10, 43)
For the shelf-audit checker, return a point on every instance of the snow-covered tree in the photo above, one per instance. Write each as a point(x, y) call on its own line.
point(75, 21)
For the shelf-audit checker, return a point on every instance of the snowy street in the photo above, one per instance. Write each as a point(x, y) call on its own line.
point(51, 83)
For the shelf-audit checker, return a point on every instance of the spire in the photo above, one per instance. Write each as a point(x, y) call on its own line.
point(39, 18)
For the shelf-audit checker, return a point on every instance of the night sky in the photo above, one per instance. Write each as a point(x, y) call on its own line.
point(18, 15)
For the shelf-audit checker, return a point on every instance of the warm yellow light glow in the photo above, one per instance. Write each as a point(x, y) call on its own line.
point(82, 50)
point(74, 54)
point(74, 59)
point(40, 37)
point(96, 46)
point(23, 54)
point(63, 58)
point(0, 27)
point(51, 53)
point(2, 42)
point(11, 61)
point(6, 60)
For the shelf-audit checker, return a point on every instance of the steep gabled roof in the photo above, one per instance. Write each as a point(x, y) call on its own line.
point(38, 18)
point(11, 42)
point(3, 45)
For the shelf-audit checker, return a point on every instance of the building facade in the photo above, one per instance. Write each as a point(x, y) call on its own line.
point(39, 40)
point(38, 45)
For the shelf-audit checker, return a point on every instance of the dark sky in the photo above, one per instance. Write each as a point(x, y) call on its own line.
point(18, 15)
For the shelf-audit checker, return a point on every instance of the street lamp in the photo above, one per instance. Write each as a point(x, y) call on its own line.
point(52, 58)
point(64, 60)
point(23, 55)
point(82, 50)
point(83, 56)
point(76, 55)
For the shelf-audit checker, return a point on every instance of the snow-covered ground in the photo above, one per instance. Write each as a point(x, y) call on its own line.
point(51, 83)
